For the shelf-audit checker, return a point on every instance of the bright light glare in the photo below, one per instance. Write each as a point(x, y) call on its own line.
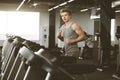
point(112, 29)
point(24, 24)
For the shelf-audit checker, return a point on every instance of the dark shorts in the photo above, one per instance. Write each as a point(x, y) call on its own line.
point(72, 51)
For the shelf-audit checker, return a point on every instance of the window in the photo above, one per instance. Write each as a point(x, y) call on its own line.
point(24, 24)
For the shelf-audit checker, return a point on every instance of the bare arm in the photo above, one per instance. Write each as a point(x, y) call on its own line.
point(60, 35)
point(79, 31)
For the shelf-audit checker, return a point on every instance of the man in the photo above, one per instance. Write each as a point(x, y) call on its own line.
point(70, 33)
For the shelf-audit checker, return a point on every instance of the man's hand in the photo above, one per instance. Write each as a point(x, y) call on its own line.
point(69, 41)
point(59, 35)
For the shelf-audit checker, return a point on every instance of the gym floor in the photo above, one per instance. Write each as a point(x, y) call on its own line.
point(89, 72)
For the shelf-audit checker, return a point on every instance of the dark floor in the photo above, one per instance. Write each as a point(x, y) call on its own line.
point(88, 71)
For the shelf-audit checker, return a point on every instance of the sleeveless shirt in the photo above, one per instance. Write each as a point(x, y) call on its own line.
point(70, 49)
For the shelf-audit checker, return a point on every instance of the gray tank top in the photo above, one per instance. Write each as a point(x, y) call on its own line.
point(70, 49)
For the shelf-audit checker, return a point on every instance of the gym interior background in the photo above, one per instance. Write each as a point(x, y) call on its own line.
point(39, 20)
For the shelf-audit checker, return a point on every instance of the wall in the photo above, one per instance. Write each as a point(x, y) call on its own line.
point(44, 28)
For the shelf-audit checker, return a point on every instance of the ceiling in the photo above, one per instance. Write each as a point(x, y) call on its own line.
point(53, 2)
point(80, 4)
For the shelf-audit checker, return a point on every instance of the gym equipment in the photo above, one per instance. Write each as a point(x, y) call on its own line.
point(30, 61)
point(46, 62)
point(33, 66)
point(33, 46)
point(17, 44)
point(6, 48)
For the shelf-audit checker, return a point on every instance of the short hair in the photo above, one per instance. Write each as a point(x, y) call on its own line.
point(66, 10)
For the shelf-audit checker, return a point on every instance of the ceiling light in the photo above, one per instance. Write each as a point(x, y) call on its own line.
point(62, 4)
point(70, 1)
point(35, 4)
point(83, 10)
point(20, 5)
point(55, 7)
point(50, 9)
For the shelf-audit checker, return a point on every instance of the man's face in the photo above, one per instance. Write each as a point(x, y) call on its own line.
point(65, 16)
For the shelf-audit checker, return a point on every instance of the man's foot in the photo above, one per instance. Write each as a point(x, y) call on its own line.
point(80, 57)
point(100, 69)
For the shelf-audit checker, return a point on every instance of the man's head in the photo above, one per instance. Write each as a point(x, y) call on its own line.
point(65, 14)
point(66, 10)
